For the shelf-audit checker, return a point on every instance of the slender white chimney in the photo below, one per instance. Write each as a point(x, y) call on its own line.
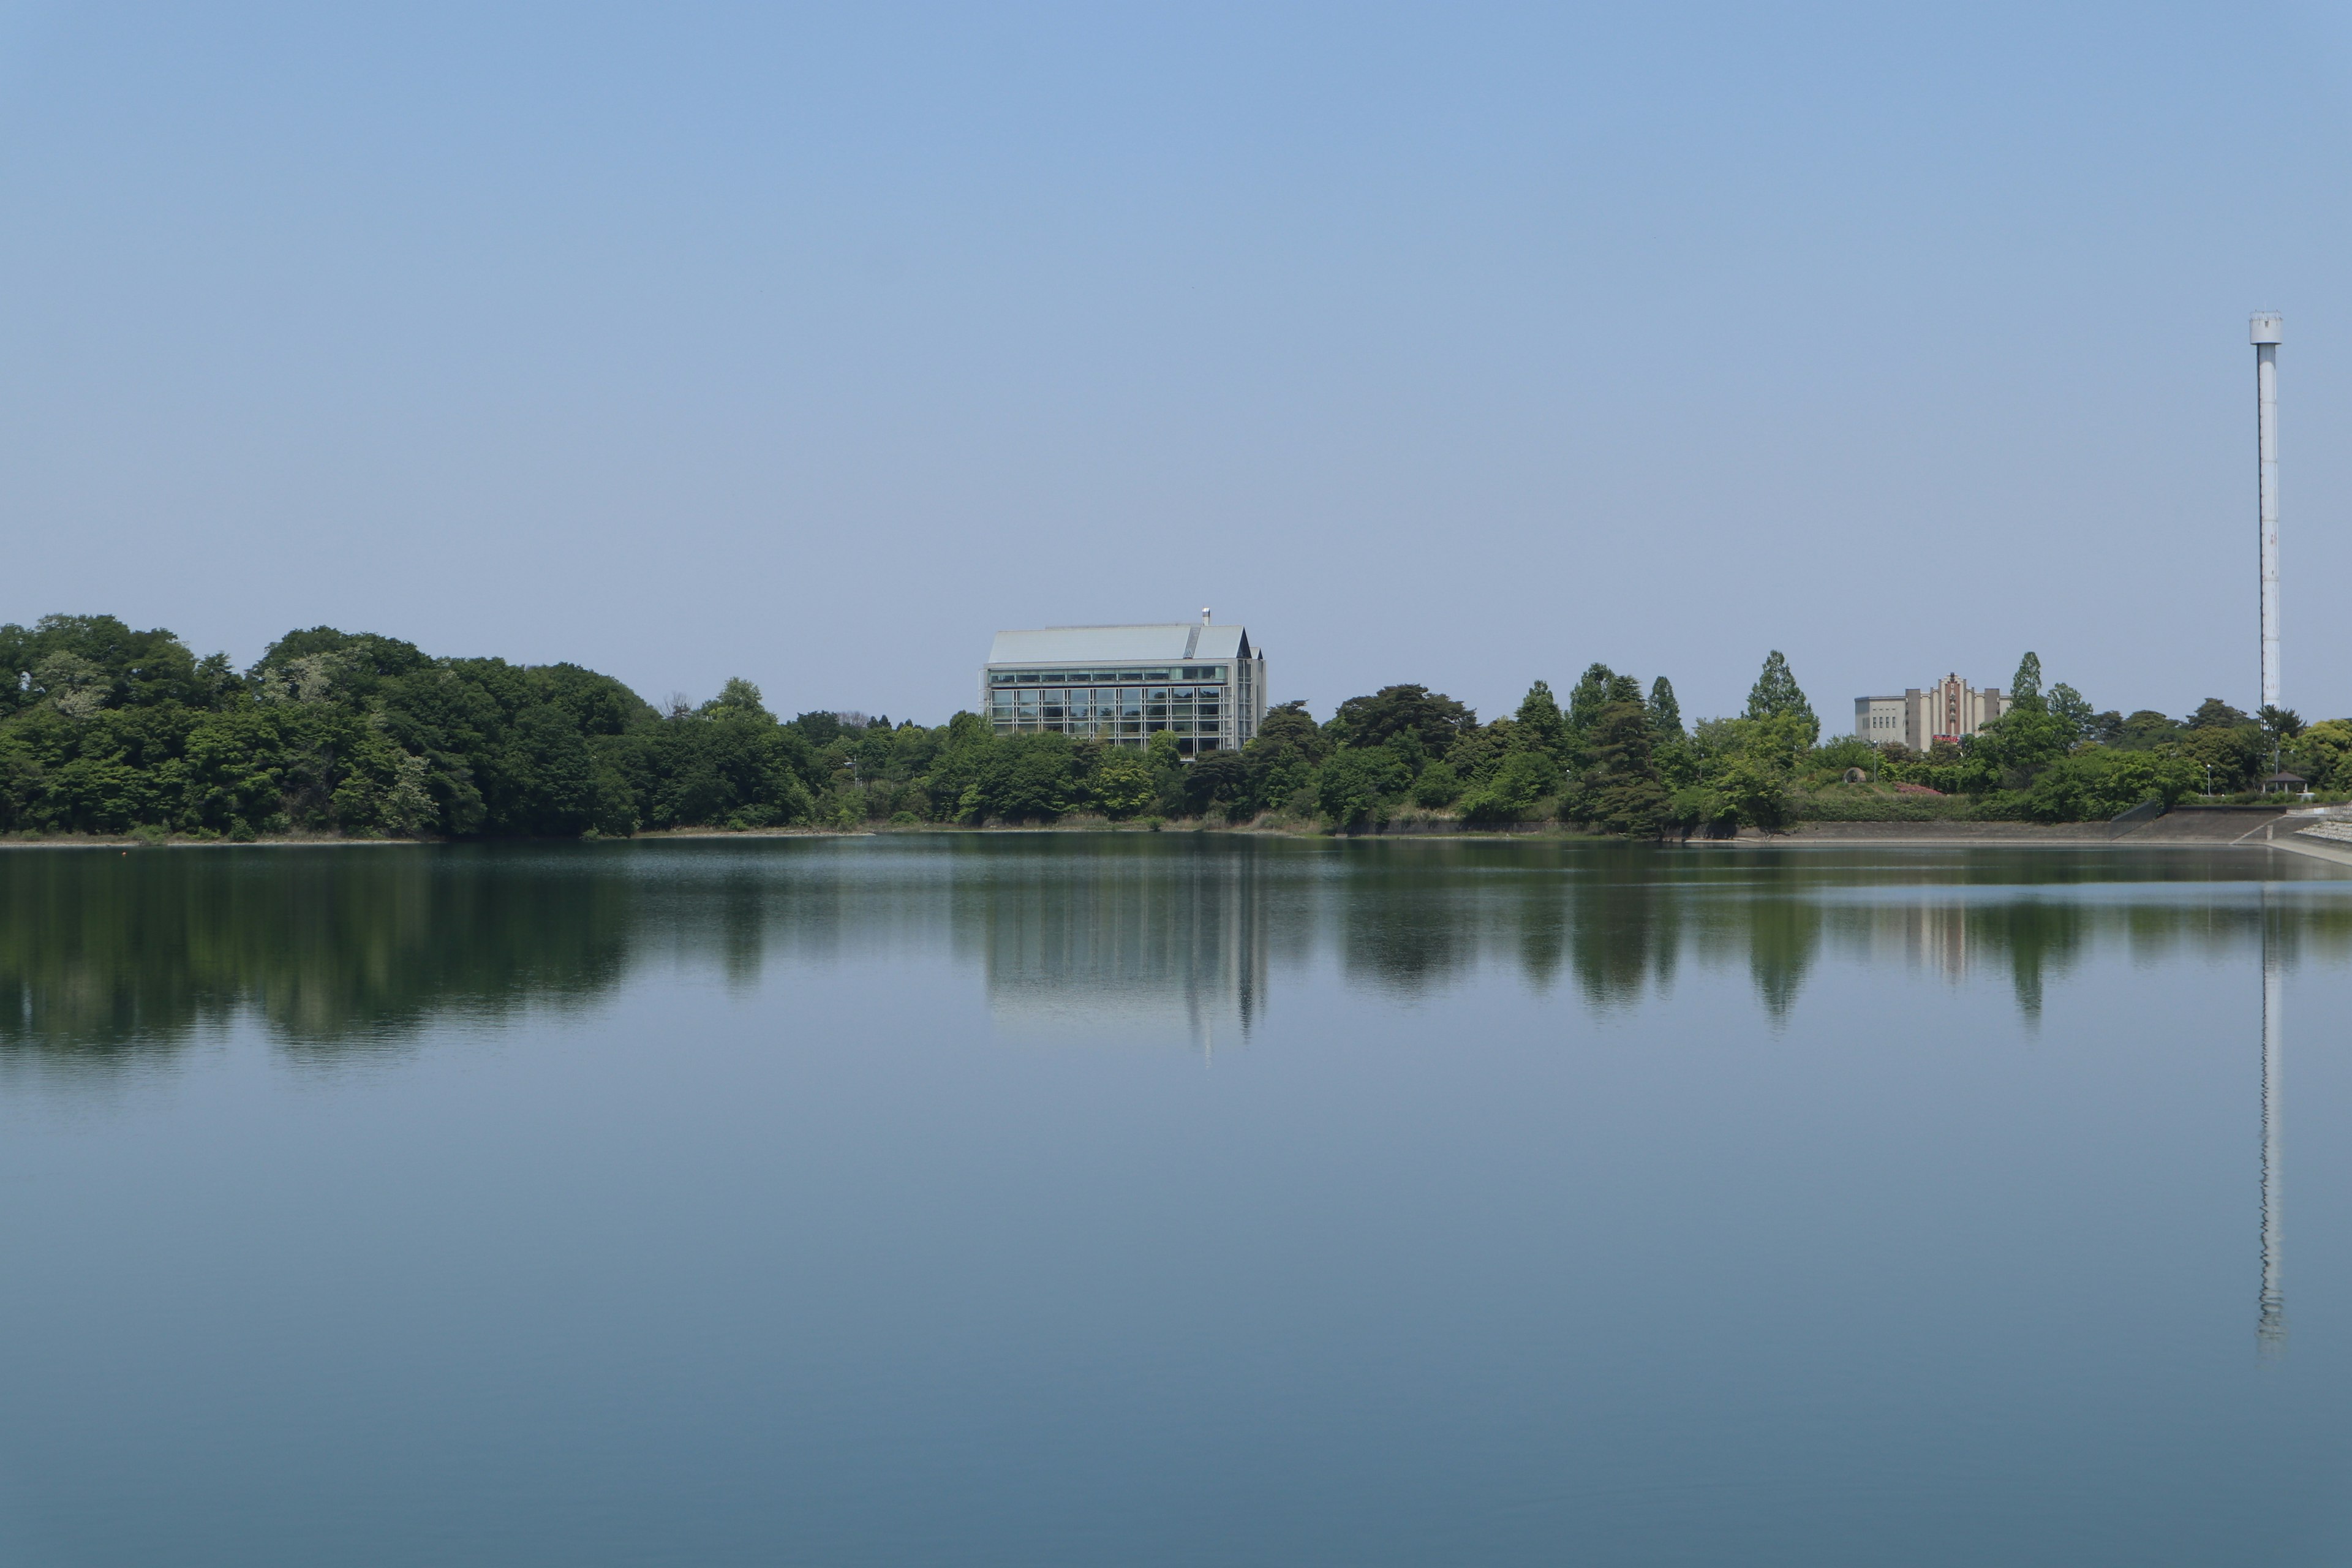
point(2264, 334)
point(1204, 615)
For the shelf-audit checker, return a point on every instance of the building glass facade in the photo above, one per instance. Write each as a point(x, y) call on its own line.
point(1207, 703)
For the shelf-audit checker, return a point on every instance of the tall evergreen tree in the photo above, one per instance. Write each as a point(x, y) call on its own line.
point(1666, 713)
point(1540, 726)
point(1620, 789)
point(1590, 696)
point(2025, 686)
point(2070, 708)
point(1775, 694)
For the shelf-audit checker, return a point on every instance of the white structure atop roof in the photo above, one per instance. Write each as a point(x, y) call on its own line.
point(1120, 644)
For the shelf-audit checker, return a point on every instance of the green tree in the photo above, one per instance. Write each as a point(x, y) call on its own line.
point(1590, 695)
point(1775, 694)
point(1122, 783)
point(739, 696)
point(1753, 791)
point(1282, 758)
point(76, 687)
point(89, 662)
point(2025, 686)
point(1696, 805)
point(2323, 753)
point(818, 729)
point(1024, 778)
point(1167, 760)
point(1289, 723)
point(2098, 784)
point(1620, 791)
point(1219, 781)
point(2237, 755)
point(1666, 713)
point(2281, 725)
point(1436, 718)
point(2011, 749)
point(1540, 725)
point(1518, 783)
point(1477, 755)
point(2145, 730)
point(2072, 714)
point(1356, 784)
point(1438, 786)
point(1745, 769)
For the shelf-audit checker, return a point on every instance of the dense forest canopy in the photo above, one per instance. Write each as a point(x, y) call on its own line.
point(106, 730)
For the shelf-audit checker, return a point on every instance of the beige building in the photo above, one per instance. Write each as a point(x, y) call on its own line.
point(1947, 711)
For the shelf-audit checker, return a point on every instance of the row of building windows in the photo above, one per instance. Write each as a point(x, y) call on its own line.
point(1190, 739)
point(1078, 677)
point(1123, 701)
point(1199, 717)
point(1123, 734)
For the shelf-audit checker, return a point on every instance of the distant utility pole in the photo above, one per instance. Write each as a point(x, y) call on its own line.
point(2265, 336)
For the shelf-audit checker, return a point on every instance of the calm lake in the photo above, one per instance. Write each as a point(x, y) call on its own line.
point(1060, 1199)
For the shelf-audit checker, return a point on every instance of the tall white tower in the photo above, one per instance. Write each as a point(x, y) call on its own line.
point(2265, 336)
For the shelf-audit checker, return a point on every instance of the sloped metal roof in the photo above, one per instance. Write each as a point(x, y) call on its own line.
point(1120, 644)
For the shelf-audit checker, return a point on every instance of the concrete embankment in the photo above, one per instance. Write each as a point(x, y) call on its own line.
point(2212, 826)
point(2240, 827)
point(1832, 834)
point(2317, 849)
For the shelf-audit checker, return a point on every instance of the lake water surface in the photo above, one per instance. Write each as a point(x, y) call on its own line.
point(1061, 1199)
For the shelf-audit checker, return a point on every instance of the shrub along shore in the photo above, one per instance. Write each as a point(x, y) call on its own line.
point(109, 732)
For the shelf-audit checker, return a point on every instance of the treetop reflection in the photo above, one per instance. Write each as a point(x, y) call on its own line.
point(106, 957)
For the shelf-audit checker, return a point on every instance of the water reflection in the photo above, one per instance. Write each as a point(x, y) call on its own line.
point(1156, 943)
point(105, 957)
point(2271, 1332)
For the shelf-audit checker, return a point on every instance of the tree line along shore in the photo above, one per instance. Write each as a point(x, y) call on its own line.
point(108, 730)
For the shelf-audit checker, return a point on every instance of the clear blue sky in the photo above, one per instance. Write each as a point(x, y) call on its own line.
point(1455, 343)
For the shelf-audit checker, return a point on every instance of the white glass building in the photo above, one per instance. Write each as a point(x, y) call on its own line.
point(1203, 683)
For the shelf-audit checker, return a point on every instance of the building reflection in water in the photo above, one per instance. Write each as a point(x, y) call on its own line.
point(107, 959)
point(1957, 931)
point(1129, 948)
point(110, 960)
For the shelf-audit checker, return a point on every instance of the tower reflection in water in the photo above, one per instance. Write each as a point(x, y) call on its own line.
point(2271, 1332)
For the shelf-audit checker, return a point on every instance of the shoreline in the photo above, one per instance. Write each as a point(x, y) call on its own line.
point(2191, 830)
